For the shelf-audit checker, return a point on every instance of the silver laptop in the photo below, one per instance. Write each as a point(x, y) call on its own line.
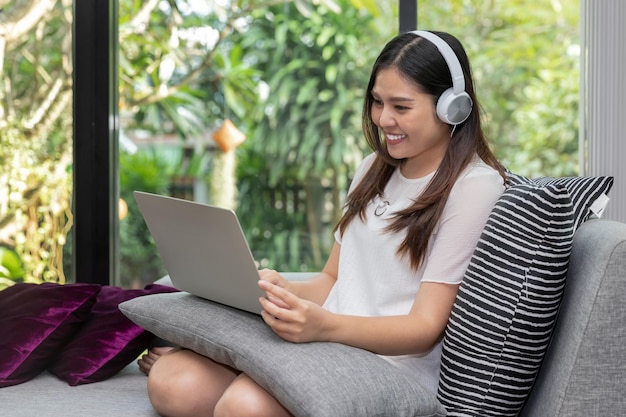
point(203, 249)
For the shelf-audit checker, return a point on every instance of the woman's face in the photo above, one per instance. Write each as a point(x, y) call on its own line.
point(409, 124)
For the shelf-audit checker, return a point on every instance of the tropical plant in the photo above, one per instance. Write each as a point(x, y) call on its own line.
point(290, 74)
point(305, 139)
point(143, 171)
point(525, 57)
point(36, 133)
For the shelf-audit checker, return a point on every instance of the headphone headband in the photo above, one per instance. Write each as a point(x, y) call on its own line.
point(456, 72)
point(454, 105)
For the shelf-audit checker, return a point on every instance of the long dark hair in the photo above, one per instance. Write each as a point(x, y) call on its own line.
point(420, 62)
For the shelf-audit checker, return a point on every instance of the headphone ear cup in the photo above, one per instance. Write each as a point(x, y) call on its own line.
point(452, 108)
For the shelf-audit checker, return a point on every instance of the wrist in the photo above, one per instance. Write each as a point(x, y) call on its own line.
point(332, 326)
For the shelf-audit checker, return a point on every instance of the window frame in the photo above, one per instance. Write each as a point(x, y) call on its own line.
point(95, 233)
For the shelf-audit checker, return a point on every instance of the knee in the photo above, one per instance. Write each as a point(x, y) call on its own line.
point(169, 389)
point(244, 398)
point(238, 403)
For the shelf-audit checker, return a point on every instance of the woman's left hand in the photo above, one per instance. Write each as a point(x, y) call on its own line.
point(292, 318)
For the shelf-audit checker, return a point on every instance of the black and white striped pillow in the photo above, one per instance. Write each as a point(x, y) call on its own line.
point(508, 302)
point(584, 191)
point(507, 305)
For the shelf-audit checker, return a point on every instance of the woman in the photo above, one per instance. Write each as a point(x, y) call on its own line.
point(414, 213)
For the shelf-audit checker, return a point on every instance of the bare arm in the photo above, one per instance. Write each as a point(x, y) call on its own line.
point(416, 332)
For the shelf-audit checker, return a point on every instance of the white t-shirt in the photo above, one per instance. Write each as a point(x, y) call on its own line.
point(374, 281)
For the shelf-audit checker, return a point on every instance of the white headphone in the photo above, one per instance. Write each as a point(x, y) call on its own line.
point(454, 105)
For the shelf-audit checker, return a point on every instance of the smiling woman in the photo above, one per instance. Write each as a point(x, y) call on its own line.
point(409, 124)
point(414, 212)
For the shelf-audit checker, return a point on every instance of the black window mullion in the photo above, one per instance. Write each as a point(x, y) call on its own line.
point(95, 168)
point(407, 15)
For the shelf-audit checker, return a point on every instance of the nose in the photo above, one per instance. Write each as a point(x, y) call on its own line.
point(386, 117)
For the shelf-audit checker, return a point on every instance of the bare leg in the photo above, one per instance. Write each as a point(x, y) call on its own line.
point(147, 360)
point(245, 398)
point(182, 383)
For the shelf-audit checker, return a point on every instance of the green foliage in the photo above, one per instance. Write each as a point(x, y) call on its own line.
point(11, 269)
point(525, 60)
point(179, 72)
point(35, 136)
point(34, 208)
point(142, 171)
point(305, 138)
point(310, 122)
point(286, 225)
point(291, 75)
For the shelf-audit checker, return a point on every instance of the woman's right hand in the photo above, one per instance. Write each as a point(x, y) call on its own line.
point(274, 278)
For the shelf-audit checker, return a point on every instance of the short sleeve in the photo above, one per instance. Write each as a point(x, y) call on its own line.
point(470, 202)
point(358, 176)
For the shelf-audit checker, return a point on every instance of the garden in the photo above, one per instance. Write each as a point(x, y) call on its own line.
point(254, 106)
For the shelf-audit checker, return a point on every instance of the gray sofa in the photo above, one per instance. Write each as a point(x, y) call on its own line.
point(583, 374)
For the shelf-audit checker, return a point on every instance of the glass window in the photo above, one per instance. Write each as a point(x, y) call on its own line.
point(257, 108)
point(526, 62)
point(35, 141)
point(250, 107)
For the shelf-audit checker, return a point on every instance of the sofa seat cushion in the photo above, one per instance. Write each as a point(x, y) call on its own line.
point(309, 379)
point(123, 395)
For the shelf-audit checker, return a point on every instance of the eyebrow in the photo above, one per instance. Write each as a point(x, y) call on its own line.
point(393, 99)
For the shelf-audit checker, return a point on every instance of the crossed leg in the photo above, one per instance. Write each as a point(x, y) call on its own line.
point(183, 383)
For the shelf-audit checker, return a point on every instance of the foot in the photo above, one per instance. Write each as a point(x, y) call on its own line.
point(146, 361)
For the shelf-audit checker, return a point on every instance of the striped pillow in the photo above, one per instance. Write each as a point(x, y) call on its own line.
point(507, 305)
point(584, 192)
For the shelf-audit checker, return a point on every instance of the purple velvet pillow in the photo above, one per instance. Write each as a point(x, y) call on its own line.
point(36, 320)
point(107, 342)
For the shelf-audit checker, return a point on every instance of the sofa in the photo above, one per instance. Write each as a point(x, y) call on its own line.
point(577, 369)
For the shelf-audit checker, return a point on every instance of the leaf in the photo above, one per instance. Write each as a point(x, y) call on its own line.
point(324, 36)
point(306, 93)
point(10, 263)
point(331, 73)
point(304, 8)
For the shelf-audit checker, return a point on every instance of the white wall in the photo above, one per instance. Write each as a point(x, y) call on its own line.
point(603, 97)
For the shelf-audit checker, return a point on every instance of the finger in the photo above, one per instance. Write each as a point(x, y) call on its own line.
point(276, 291)
point(271, 276)
point(264, 272)
point(278, 295)
point(279, 326)
point(283, 329)
point(272, 308)
point(278, 302)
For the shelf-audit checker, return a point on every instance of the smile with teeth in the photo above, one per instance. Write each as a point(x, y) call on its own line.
point(394, 138)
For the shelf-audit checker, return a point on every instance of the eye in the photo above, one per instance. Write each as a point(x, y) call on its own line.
point(401, 108)
point(377, 102)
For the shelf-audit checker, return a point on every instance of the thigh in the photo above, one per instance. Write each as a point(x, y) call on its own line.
point(184, 383)
point(246, 398)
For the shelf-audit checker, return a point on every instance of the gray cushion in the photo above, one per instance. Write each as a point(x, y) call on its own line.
point(309, 379)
